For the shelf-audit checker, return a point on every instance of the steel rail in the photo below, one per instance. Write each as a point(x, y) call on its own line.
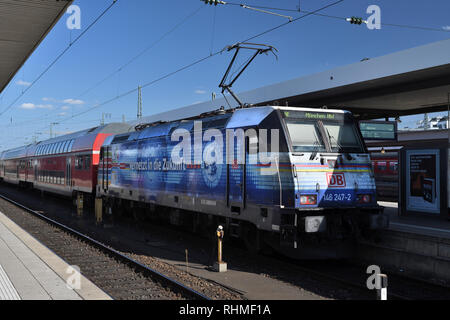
point(110, 251)
point(347, 283)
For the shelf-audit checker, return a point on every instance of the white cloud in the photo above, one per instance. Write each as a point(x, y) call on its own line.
point(73, 101)
point(446, 28)
point(200, 91)
point(23, 83)
point(62, 114)
point(65, 108)
point(32, 106)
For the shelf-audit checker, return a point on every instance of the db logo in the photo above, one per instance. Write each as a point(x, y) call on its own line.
point(336, 180)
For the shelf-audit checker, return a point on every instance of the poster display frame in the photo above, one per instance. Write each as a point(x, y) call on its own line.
point(410, 204)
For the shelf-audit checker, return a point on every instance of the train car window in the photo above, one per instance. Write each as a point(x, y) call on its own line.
point(381, 165)
point(58, 148)
point(87, 162)
point(343, 136)
point(71, 145)
point(79, 163)
point(339, 131)
point(65, 146)
point(305, 136)
point(393, 166)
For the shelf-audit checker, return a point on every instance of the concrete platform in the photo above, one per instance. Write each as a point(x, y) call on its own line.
point(30, 271)
point(431, 225)
point(417, 246)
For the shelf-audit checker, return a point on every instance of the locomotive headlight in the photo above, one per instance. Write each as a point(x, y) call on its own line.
point(308, 199)
point(315, 224)
point(364, 198)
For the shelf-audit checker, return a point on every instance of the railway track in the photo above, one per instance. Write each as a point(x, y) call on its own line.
point(115, 273)
point(349, 283)
point(334, 276)
point(352, 275)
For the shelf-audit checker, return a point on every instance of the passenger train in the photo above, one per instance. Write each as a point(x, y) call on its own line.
point(296, 180)
point(385, 167)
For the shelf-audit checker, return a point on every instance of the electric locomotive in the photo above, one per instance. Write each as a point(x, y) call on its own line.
point(296, 180)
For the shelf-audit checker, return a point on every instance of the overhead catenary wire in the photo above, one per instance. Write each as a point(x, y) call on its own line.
point(134, 58)
point(197, 62)
point(213, 30)
point(58, 57)
point(141, 53)
point(342, 18)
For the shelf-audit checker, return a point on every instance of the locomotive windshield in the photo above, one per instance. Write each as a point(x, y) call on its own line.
point(322, 132)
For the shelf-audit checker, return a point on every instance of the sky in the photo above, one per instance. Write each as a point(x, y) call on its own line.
point(161, 36)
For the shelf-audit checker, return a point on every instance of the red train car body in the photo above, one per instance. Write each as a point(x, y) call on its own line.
point(65, 165)
point(385, 167)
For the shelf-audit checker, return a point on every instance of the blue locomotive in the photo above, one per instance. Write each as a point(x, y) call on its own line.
point(296, 180)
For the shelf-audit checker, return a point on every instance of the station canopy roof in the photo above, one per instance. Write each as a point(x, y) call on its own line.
point(407, 82)
point(23, 25)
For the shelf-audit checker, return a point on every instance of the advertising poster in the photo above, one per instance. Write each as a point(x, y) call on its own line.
point(423, 181)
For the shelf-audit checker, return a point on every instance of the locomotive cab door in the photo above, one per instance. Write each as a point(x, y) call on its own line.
point(236, 177)
point(68, 171)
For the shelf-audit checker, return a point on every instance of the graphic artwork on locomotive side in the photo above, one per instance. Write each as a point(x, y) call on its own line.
point(294, 179)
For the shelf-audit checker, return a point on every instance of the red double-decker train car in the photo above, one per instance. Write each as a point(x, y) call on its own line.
point(385, 168)
point(65, 165)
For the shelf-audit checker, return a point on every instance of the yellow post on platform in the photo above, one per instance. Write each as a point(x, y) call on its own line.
point(220, 266)
point(98, 210)
point(220, 235)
